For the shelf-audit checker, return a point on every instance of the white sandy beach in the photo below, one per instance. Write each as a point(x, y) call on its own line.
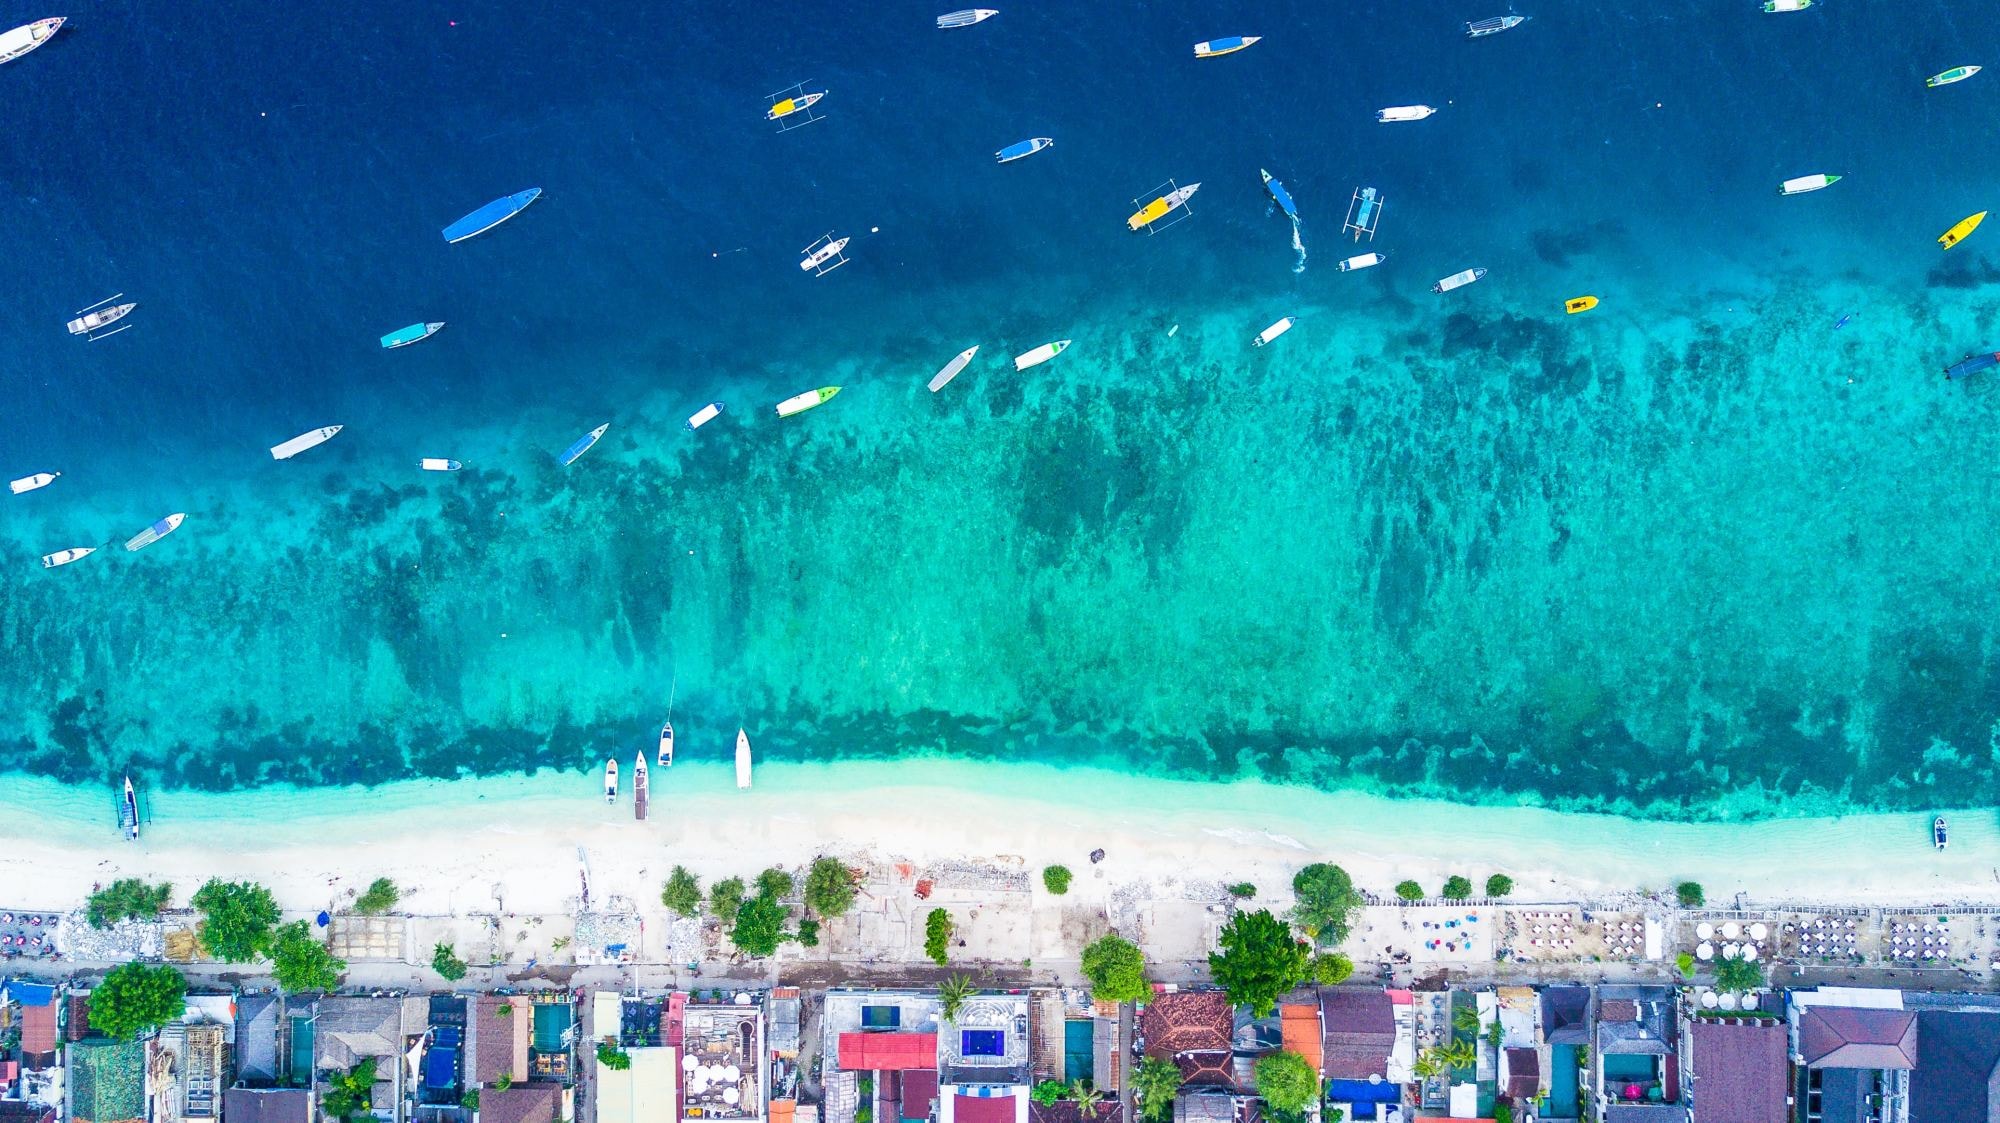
point(455, 845)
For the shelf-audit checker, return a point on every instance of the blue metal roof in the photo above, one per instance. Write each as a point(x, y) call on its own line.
point(30, 994)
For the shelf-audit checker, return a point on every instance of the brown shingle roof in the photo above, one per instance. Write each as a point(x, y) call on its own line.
point(1359, 1027)
point(1191, 1029)
point(79, 1018)
point(1524, 1074)
point(522, 1103)
point(1618, 1010)
point(266, 1105)
point(38, 1029)
point(1738, 1072)
point(500, 1041)
point(1851, 1037)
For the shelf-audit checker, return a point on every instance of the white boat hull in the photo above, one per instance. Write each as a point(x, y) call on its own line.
point(1364, 261)
point(1397, 113)
point(704, 415)
point(966, 17)
point(27, 37)
point(666, 757)
point(1274, 331)
point(438, 464)
point(943, 377)
point(742, 760)
point(1040, 354)
point(64, 557)
point(304, 441)
point(32, 483)
point(1458, 280)
point(156, 532)
point(1805, 183)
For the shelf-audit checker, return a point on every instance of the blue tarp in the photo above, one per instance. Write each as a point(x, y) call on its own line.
point(31, 994)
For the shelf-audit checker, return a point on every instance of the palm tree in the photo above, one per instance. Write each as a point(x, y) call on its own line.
point(952, 994)
point(1428, 1064)
point(1087, 1098)
point(1457, 1054)
point(1465, 1019)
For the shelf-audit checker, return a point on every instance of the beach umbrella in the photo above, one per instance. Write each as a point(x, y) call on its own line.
point(1704, 930)
point(1730, 930)
point(1749, 951)
point(1758, 931)
point(1708, 1000)
point(1704, 951)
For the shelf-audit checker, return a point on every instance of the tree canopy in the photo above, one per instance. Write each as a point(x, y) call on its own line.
point(1116, 969)
point(1456, 888)
point(774, 882)
point(127, 898)
point(682, 892)
point(347, 1093)
point(1499, 885)
point(380, 897)
point(445, 961)
point(1260, 960)
point(1690, 894)
point(759, 926)
point(726, 896)
point(952, 994)
point(937, 936)
point(612, 1057)
point(1738, 974)
point(236, 919)
point(1330, 969)
point(301, 962)
point(829, 887)
point(1056, 879)
point(1287, 1081)
point(1327, 902)
point(1409, 891)
point(1154, 1084)
point(134, 999)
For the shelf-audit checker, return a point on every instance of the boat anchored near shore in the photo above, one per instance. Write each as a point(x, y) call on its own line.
point(950, 370)
point(1363, 261)
point(1040, 355)
point(1172, 200)
point(1458, 280)
point(156, 532)
point(610, 781)
point(742, 760)
point(64, 557)
point(1960, 229)
point(311, 438)
point(704, 415)
point(583, 444)
point(811, 399)
point(639, 787)
point(1274, 331)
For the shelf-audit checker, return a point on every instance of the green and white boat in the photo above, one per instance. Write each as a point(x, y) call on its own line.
point(415, 333)
point(1805, 183)
point(1787, 5)
point(1040, 354)
point(811, 399)
point(1955, 74)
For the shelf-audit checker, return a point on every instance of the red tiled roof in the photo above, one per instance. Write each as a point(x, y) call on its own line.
point(983, 1109)
point(1524, 1074)
point(38, 1029)
point(79, 1017)
point(861, 1052)
point(1191, 1028)
point(1298, 1027)
point(1618, 1010)
point(920, 1093)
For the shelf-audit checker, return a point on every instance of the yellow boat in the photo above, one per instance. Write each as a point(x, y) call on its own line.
point(1157, 209)
point(1579, 304)
point(1957, 234)
point(793, 105)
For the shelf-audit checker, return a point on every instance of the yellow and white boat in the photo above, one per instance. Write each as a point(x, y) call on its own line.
point(1577, 304)
point(794, 107)
point(1957, 233)
point(1162, 206)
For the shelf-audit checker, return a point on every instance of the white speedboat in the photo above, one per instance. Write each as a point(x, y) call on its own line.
point(966, 17)
point(1480, 29)
point(312, 438)
point(1799, 185)
point(439, 464)
point(666, 757)
point(1458, 280)
point(1274, 331)
point(156, 532)
point(742, 760)
point(1363, 261)
point(610, 781)
point(64, 557)
point(951, 369)
point(1404, 113)
point(810, 399)
point(704, 415)
point(1040, 354)
point(639, 795)
point(1024, 149)
point(1216, 48)
point(31, 483)
point(28, 36)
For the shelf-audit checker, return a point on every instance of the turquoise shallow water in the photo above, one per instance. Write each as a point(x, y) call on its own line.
point(1694, 554)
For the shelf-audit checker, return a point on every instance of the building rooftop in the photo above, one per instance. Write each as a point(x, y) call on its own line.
point(257, 1039)
point(267, 1105)
point(1958, 1067)
point(721, 1038)
point(987, 1043)
point(500, 1041)
point(38, 1032)
point(1566, 1015)
point(349, 1028)
point(1522, 1070)
point(1852, 1037)
point(1635, 1020)
point(522, 1103)
point(647, 1092)
point(1739, 1071)
point(1299, 1032)
point(1358, 1031)
point(1645, 1113)
point(887, 1052)
point(1191, 1028)
point(986, 1109)
point(106, 1081)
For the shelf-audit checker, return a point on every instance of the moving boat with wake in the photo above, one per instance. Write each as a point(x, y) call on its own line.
point(1279, 195)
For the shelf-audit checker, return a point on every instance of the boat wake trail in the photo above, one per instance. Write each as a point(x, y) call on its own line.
point(1298, 244)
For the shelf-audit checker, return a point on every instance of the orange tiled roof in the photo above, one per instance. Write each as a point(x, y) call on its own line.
point(1298, 1026)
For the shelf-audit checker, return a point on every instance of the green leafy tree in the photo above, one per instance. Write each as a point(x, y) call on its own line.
point(1730, 975)
point(1330, 969)
point(1503, 1112)
point(134, 999)
point(504, 1010)
point(726, 896)
point(1499, 885)
point(1087, 1098)
point(775, 883)
point(381, 896)
point(1690, 894)
point(347, 1093)
point(952, 995)
point(682, 892)
point(1049, 1092)
point(937, 936)
point(1456, 888)
point(612, 1057)
point(127, 899)
point(236, 919)
point(445, 961)
point(1260, 960)
point(830, 888)
point(470, 1100)
point(1055, 879)
point(759, 926)
point(1494, 1033)
point(1685, 964)
point(1457, 1054)
point(1154, 1084)
point(301, 962)
point(1287, 1081)
point(1327, 902)
point(1243, 890)
point(1116, 969)
point(1409, 891)
point(808, 934)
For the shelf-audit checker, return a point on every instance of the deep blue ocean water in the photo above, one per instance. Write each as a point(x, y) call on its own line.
point(272, 195)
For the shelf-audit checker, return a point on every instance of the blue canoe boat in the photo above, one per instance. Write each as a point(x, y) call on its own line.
point(582, 445)
point(415, 333)
point(1025, 148)
point(491, 215)
point(1279, 195)
point(1971, 364)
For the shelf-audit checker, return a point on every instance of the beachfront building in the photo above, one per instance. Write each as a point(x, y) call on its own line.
point(1637, 1066)
point(104, 1081)
point(1565, 1027)
point(648, 1088)
point(1193, 1030)
point(983, 1064)
point(1520, 1080)
point(188, 1061)
point(782, 1029)
point(256, 1057)
point(1957, 1078)
point(880, 1050)
point(1855, 1049)
point(1360, 1037)
point(342, 1031)
point(1736, 1069)
point(723, 1065)
point(31, 1010)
